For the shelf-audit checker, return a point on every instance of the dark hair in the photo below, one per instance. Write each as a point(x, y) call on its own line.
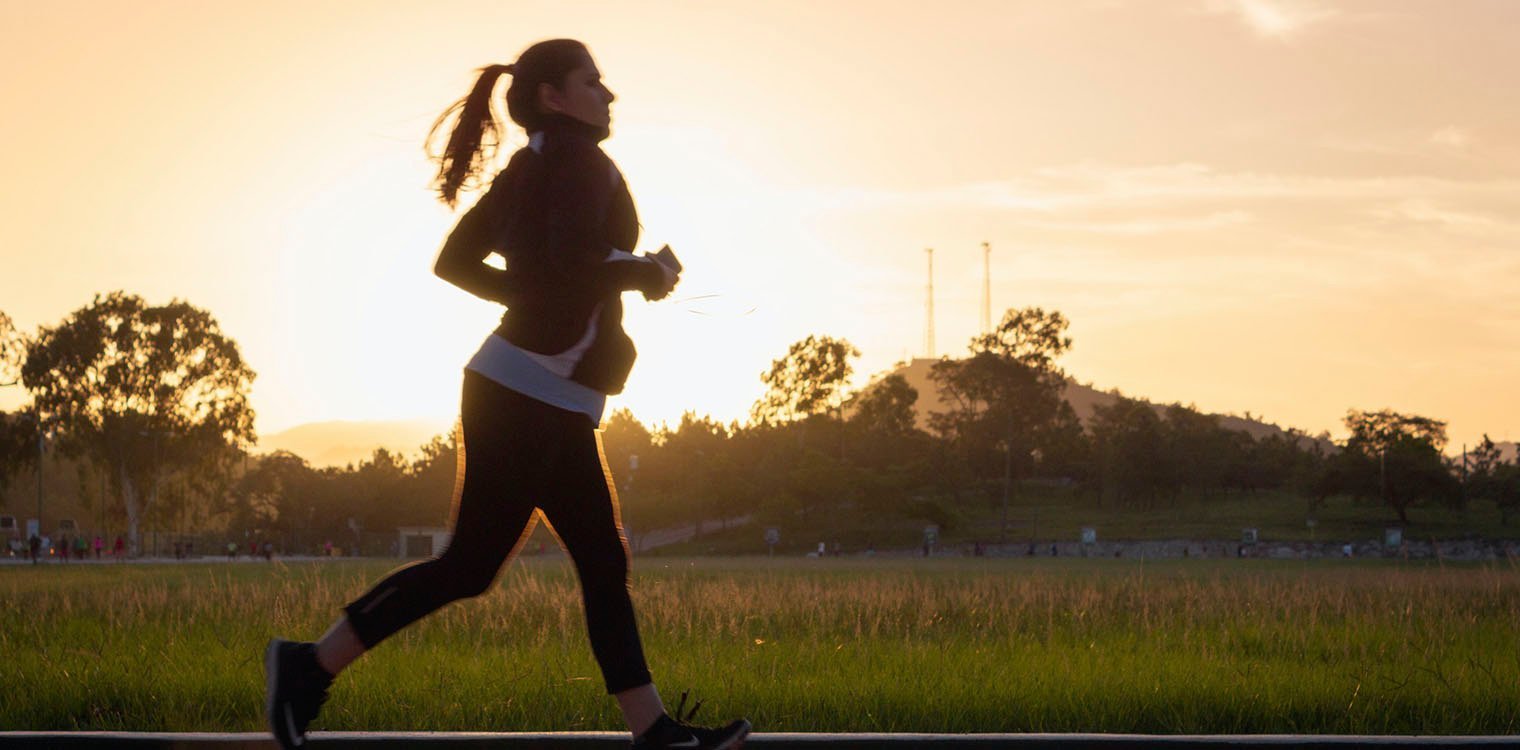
point(476, 134)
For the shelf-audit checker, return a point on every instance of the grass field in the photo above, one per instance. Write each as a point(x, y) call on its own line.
point(970, 645)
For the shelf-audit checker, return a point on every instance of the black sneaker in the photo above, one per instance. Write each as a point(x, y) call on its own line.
point(296, 687)
point(677, 733)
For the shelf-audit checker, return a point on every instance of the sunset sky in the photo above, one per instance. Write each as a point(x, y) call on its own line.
point(1287, 208)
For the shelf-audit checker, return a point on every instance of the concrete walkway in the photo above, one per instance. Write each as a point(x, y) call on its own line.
point(773, 741)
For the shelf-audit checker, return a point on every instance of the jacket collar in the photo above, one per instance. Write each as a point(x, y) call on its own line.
point(555, 125)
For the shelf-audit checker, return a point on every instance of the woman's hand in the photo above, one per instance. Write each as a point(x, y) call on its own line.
point(664, 285)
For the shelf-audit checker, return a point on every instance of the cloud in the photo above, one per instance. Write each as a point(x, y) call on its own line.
point(1084, 186)
point(1274, 19)
point(1419, 211)
point(1451, 137)
point(1215, 220)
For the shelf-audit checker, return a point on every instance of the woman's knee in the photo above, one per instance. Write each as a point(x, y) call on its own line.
point(463, 577)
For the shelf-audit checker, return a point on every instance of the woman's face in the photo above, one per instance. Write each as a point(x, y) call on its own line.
point(584, 97)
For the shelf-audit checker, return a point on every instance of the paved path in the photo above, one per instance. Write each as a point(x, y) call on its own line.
point(772, 741)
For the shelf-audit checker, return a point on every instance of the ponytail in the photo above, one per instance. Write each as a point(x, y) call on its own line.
point(476, 134)
point(473, 142)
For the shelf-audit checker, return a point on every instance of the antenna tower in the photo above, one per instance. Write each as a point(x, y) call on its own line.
point(929, 322)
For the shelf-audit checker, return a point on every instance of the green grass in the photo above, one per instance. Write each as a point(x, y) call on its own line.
point(971, 645)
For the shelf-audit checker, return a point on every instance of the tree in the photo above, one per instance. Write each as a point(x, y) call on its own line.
point(1007, 396)
point(624, 437)
point(146, 390)
point(886, 407)
point(1493, 479)
point(1031, 336)
point(1129, 442)
point(18, 432)
point(12, 351)
point(809, 380)
point(1397, 458)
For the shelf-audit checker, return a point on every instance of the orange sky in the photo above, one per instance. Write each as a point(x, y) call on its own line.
point(1286, 208)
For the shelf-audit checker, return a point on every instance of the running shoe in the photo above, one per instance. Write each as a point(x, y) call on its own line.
point(669, 732)
point(296, 687)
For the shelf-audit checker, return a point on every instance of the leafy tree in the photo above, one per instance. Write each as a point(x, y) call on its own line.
point(1483, 460)
point(12, 351)
point(886, 407)
point(1006, 398)
point(1397, 458)
point(809, 380)
point(146, 390)
point(18, 432)
point(624, 437)
point(1201, 451)
point(882, 435)
point(1376, 432)
point(1030, 336)
point(431, 479)
point(1494, 480)
point(1129, 441)
point(18, 443)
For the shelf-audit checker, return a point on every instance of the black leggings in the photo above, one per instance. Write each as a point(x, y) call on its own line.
point(522, 454)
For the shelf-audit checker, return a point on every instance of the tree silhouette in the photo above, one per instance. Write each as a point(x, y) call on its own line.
point(145, 390)
point(886, 407)
point(1397, 458)
point(809, 380)
point(1006, 398)
point(18, 432)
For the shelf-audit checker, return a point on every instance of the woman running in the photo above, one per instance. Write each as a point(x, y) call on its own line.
point(561, 216)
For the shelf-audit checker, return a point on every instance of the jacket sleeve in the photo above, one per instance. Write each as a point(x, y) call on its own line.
point(461, 261)
point(578, 197)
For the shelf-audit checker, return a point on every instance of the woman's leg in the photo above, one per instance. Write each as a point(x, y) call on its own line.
point(501, 466)
point(580, 504)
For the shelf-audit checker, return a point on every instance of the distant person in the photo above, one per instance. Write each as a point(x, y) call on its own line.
point(563, 220)
point(81, 548)
point(63, 548)
point(99, 543)
point(231, 551)
point(35, 545)
point(268, 551)
point(119, 549)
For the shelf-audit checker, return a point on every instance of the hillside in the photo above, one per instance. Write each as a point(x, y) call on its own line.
point(1083, 399)
point(342, 443)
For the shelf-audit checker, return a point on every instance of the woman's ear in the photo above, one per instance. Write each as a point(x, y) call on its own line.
point(550, 99)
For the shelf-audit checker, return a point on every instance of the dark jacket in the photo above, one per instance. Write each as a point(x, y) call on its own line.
point(554, 214)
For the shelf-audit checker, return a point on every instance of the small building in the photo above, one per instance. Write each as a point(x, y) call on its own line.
point(422, 541)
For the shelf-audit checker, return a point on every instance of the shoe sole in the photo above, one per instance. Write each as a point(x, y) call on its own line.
point(737, 741)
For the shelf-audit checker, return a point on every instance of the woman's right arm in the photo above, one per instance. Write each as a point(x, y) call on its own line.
point(461, 261)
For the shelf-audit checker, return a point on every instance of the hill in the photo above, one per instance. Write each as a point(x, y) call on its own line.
point(1083, 399)
point(341, 443)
